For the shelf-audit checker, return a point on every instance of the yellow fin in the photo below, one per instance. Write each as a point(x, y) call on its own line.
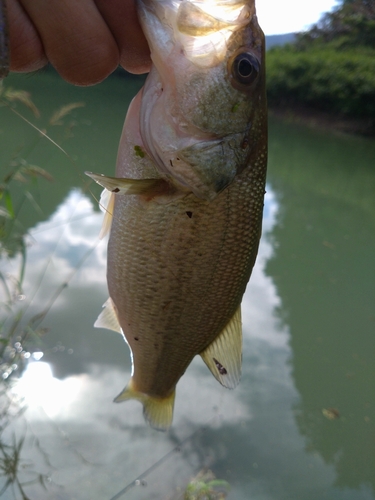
point(128, 186)
point(224, 355)
point(107, 205)
point(157, 411)
point(108, 318)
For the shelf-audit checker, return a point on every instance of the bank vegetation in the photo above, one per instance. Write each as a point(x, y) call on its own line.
point(330, 68)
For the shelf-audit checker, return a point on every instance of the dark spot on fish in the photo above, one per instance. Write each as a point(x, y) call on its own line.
point(139, 151)
point(177, 158)
point(170, 161)
point(136, 338)
point(116, 190)
point(189, 214)
point(220, 367)
point(245, 143)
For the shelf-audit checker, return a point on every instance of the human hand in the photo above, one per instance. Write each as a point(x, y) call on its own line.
point(84, 40)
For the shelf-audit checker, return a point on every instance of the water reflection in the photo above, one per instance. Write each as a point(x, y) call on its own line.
point(324, 270)
point(75, 391)
point(308, 345)
point(262, 438)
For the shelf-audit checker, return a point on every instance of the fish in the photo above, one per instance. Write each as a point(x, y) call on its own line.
point(4, 41)
point(184, 210)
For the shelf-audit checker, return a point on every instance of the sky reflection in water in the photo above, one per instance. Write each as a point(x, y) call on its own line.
point(249, 436)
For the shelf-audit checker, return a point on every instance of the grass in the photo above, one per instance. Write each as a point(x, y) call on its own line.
point(17, 338)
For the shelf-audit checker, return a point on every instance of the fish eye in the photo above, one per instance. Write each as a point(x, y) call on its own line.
point(245, 68)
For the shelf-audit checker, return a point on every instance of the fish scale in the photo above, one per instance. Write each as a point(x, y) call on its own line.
point(202, 295)
point(187, 200)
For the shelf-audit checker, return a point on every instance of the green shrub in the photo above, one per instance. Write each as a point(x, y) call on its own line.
point(340, 81)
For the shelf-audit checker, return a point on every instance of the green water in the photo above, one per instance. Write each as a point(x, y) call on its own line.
point(308, 316)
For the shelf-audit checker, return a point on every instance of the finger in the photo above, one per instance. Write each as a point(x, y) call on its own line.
point(121, 17)
point(76, 39)
point(26, 48)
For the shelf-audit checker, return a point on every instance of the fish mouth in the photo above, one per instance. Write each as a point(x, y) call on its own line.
point(189, 150)
point(190, 159)
point(200, 28)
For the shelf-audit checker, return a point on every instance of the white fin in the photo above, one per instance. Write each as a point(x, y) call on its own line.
point(128, 186)
point(108, 318)
point(157, 411)
point(106, 205)
point(224, 355)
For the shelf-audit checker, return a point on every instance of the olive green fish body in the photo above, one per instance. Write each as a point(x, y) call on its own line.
point(187, 200)
point(177, 273)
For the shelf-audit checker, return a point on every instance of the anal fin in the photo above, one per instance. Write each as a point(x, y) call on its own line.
point(224, 355)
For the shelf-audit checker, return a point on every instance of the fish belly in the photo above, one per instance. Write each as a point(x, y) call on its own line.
point(177, 273)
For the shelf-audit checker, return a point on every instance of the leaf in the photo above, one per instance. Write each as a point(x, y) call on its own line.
point(63, 111)
point(331, 413)
point(23, 263)
point(36, 171)
point(23, 97)
point(9, 204)
point(4, 213)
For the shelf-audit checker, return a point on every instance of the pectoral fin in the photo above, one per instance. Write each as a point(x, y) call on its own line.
point(108, 317)
point(157, 411)
point(107, 205)
point(224, 355)
point(121, 186)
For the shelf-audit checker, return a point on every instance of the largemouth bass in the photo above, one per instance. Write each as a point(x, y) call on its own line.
point(187, 199)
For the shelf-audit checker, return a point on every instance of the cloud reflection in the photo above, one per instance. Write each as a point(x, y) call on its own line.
point(63, 249)
point(39, 388)
point(65, 239)
point(241, 425)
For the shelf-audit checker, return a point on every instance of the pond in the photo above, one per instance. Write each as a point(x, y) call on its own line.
point(301, 424)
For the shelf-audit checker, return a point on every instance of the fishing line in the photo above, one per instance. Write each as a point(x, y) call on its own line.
point(46, 136)
point(38, 318)
point(138, 480)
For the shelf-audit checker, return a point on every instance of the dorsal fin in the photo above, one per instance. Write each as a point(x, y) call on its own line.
point(108, 318)
point(224, 355)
